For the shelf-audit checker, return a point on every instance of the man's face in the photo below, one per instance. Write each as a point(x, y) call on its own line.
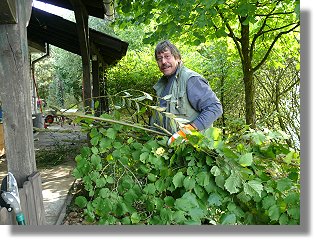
point(167, 62)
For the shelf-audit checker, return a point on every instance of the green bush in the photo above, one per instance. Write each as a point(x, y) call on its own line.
point(131, 177)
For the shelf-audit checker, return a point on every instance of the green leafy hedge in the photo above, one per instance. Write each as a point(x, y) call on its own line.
point(131, 177)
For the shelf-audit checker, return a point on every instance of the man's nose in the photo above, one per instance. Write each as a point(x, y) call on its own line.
point(163, 60)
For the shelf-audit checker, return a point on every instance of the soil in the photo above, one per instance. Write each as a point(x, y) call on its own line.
point(74, 215)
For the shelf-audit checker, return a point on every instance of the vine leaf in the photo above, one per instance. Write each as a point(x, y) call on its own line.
point(253, 187)
point(144, 156)
point(135, 218)
point(215, 171)
point(81, 201)
point(203, 179)
point(178, 179)
point(284, 184)
point(196, 213)
point(233, 183)
point(246, 160)
point(189, 183)
point(111, 133)
point(214, 199)
point(274, 212)
point(187, 202)
point(228, 219)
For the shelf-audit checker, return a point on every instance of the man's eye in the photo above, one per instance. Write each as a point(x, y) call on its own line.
point(167, 57)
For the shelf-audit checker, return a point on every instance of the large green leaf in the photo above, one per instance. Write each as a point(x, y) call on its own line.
point(274, 213)
point(135, 218)
point(189, 183)
point(246, 159)
point(228, 219)
point(178, 179)
point(253, 187)
point(215, 199)
point(186, 202)
point(81, 201)
point(233, 183)
point(284, 184)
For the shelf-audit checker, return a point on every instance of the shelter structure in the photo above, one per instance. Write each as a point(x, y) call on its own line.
point(21, 27)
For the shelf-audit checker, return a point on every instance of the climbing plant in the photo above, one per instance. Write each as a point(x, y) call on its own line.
point(131, 176)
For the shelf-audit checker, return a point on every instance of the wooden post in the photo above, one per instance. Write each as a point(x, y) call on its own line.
point(96, 82)
point(104, 90)
point(82, 17)
point(15, 94)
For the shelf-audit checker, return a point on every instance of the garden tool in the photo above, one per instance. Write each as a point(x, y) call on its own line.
point(10, 195)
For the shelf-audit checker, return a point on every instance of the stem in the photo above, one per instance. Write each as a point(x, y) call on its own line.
point(115, 122)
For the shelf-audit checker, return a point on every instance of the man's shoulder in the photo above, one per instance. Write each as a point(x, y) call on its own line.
point(190, 72)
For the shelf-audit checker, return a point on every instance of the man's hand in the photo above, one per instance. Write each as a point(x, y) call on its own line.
point(186, 129)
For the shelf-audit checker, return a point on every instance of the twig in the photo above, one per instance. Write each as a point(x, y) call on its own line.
point(114, 122)
point(163, 129)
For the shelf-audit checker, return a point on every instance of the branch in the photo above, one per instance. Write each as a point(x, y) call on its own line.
point(112, 121)
point(271, 46)
point(231, 33)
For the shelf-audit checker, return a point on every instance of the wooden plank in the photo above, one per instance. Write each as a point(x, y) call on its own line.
point(2, 149)
point(96, 82)
point(29, 193)
point(103, 91)
point(24, 208)
point(36, 182)
point(6, 218)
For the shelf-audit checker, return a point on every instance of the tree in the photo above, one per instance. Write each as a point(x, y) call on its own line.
point(253, 26)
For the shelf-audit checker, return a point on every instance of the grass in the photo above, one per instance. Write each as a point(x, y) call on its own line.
point(56, 155)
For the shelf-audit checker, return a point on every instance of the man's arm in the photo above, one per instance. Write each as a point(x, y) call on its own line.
point(204, 100)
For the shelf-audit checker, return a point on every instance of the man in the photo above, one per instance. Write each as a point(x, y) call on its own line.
point(186, 93)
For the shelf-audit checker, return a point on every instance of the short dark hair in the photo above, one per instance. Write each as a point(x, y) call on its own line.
point(165, 45)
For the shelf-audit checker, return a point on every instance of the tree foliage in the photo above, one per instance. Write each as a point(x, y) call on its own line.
point(253, 26)
point(276, 83)
point(59, 78)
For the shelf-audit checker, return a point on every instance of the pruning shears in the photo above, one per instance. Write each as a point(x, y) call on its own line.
point(10, 195)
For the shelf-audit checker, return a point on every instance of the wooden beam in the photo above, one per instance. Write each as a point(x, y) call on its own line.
point(95, 51)
point(96, 81)
point(81, 17)
point(103, 90)
point(15, 95)
point(8, 12)
point(36, 47)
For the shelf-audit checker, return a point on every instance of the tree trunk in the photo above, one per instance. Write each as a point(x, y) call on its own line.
point(250, 114)
point(222, 99)
point(248, 78)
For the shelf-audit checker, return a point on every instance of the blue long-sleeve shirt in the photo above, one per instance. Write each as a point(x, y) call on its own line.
point(201, 98)
point(204, 100)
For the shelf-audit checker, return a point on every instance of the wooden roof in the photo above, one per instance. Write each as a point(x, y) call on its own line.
point(95, 8)
point(52, 29)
